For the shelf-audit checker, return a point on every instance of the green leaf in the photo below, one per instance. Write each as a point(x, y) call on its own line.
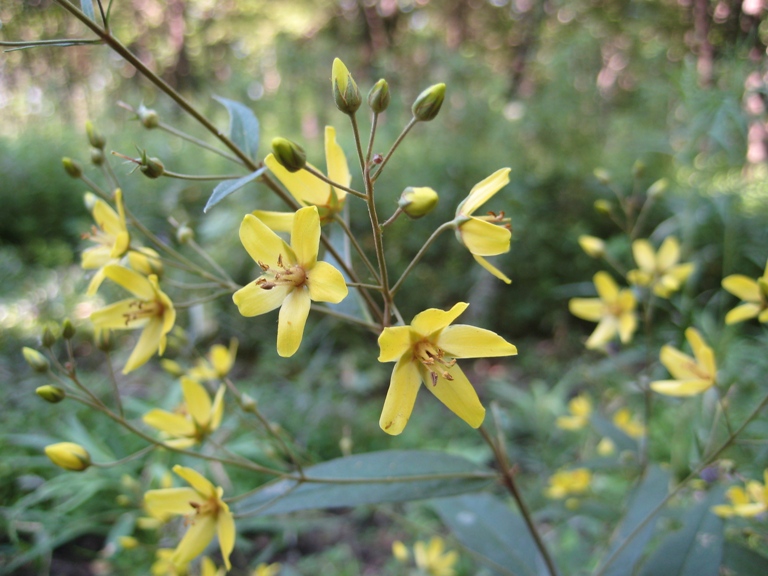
point(243, 126)
point(741, 561)
point(372, 478)
point(651, 492)
point(694, 550)
point(486, 525)
point(224, 189)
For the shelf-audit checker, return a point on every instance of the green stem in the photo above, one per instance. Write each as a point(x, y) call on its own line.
point(346, 317)
point(133, 456)
point(327, 180)
point(115, 388)
point(200, 177)
point(359, 249)
point(440, 229)
point(403, 134)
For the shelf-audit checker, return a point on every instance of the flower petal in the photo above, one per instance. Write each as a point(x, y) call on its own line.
point(705, 357)
point(196, 480)
point(401, 396)
point(147, 346)
point(197, 538)
point(644, 255)
point(173, 424)
point(604, 332)
point(217, 410)
point(458, 395)
point(262, 244)
point(742, 312)
point(252, 300)
point(591, 309)
point(302, 185)
point(115, 316)
point(669, 253)
point(171, 501)
point(462, 341)
point(742, 287)
point(627, 326)
point(106, 218)
point(606, 287)
point(275, 221)
point(134, 282)
point(197, 400)
point(433, 319)
point(95, 257)
point(305, 236)
point(290, 323)
point(338, 170)
point(483, 238)
point(680, 365)
point(680, 387)
point(326, 284)
point(394, 342)
point(492, 269)
point(93, 285)
point(484, 190)
point(225, 528)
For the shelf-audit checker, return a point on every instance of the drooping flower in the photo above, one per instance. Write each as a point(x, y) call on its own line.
point(433, 559)
point(308, 189)
point(623, 420)
point(426, 351)
point(614, 311)
point(197, 418)
point(660, 271)
point(691, 375)
point(580, 409)
point(110, 234)
point(151, 310)
point(206, 515)
point(569, 482)
point(292, 276)
point(754, 294)
point(487, 235)
point(745, 502)
point(218, 363)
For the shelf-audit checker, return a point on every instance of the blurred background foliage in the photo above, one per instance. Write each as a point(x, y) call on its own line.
point(554, 89)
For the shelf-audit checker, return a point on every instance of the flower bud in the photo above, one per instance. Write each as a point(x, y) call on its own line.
point(67, 329)
point(127, 542)
point(97, 156)
point(658, 188)
point(184, 234)
point(48, 338)
point(345, 92)
point(247, 403)
point(37, 361)
point(69, 456)
point(378, 97)
point(51, 393)
point(417, 202)
point(602, 207)
point(172, 367)
point(72, 168)
point(148, 117)
point(594, 247)
point(102, 339)
point(151, 167)
point(602, 175)
point(428, 103)
point(290, 155)
point(96, 139)
point(638, 168)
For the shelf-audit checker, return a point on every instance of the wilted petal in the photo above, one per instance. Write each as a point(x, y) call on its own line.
point(147, 346)
point(483, 238)
point(173, 424)
point(262, 244)
point(742, 313)
point(290, 324)
point(252, 300)
point(484, 190)
point(326, 284)
point(680, 387)
point(458, 395)
point(587, 308)
point(226, 531)
point(394, 341)
point(197, 538)
point(197, 400)
point(492, 269)
point(305, 236)
point(433, 319)
point(132, 281)
point(462, 341)
point(742, 287)
point(302, 185)
point(401, 396)
point(669, 253)
point(644, 255)
point(171, 501)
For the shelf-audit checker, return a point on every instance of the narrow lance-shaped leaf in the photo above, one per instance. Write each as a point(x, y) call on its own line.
point(243, 126)
point(224, 189)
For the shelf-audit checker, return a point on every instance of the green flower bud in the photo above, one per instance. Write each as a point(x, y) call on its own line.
point(658, 188)
point(71, 167)
point(50, 393)
point(428, 103)
point(602, 207)
point(248, 404)
point(69, 456)
point(602, 175)
point(378, 97)
point(184, 234)
point(345, 92)
point(36, 360)
point(67, 329)
point(151, 167)
point(417, 202)
point(48, 338)
point(97, 156)
point(148, 117)
point(290, 155)
point(96, 139)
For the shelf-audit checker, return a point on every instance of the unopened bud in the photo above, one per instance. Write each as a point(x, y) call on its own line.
point(593, 246)
point(48, 338)
point(67, 329)
point(602, 207)
point(69, 456)
point(345, 92)
point(638, 168)
point(184, 234)
point(71, 167)
point(151, 167)
point(602, 175)
point(248, 404)
point(148, 117)
point(378, 97)
point(428, 103)
point(97, 156)
point(172, 367)
point(290, 155)
point(36, 360)
point(658, 188)
point(96, 139)
point(51, 393)
point(417, 202)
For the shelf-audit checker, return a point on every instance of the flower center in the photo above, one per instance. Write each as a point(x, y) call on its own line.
point(99, 236)
point(208, 508)
point(283, 275)
point(433, 359)
point(494, 218)
point(141, 309)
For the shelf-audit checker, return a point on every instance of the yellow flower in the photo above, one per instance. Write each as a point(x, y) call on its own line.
point(400, 552)
point(205, 512)
point(754, 293)
point(200, 417)
point(432, 558)
point(426, 351)
point(164, 566)
point(110, 236)
point(661, 270)
point(594, 247)
point(208, 568)
point(292, 276)
point(218, 364)
point(267, 570)
point(580, 409)
point(566, 482)
point(624, 421)
point(151, 310)
point(691, 375)
point(746, 502)
point(308, 189)
point(69, 456)
point(614, 311)
point(606, 447)
point(487, 235)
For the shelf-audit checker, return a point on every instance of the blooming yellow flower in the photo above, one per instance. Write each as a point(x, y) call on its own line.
point(580, 409)
point(661, 270)
point(292, 276)
point(151, 310)
point(624, 421)
point(200, 416)
point(614, 311)
point(308, 189)
point(432, 558)
point(110, 236)
point(746, 502)
point(566, 482)
point(691, 375)
point(426, 351)
point(267, 569)
point(218, 364)
point(754, 293)
point(487, 235)
point(206, 515)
